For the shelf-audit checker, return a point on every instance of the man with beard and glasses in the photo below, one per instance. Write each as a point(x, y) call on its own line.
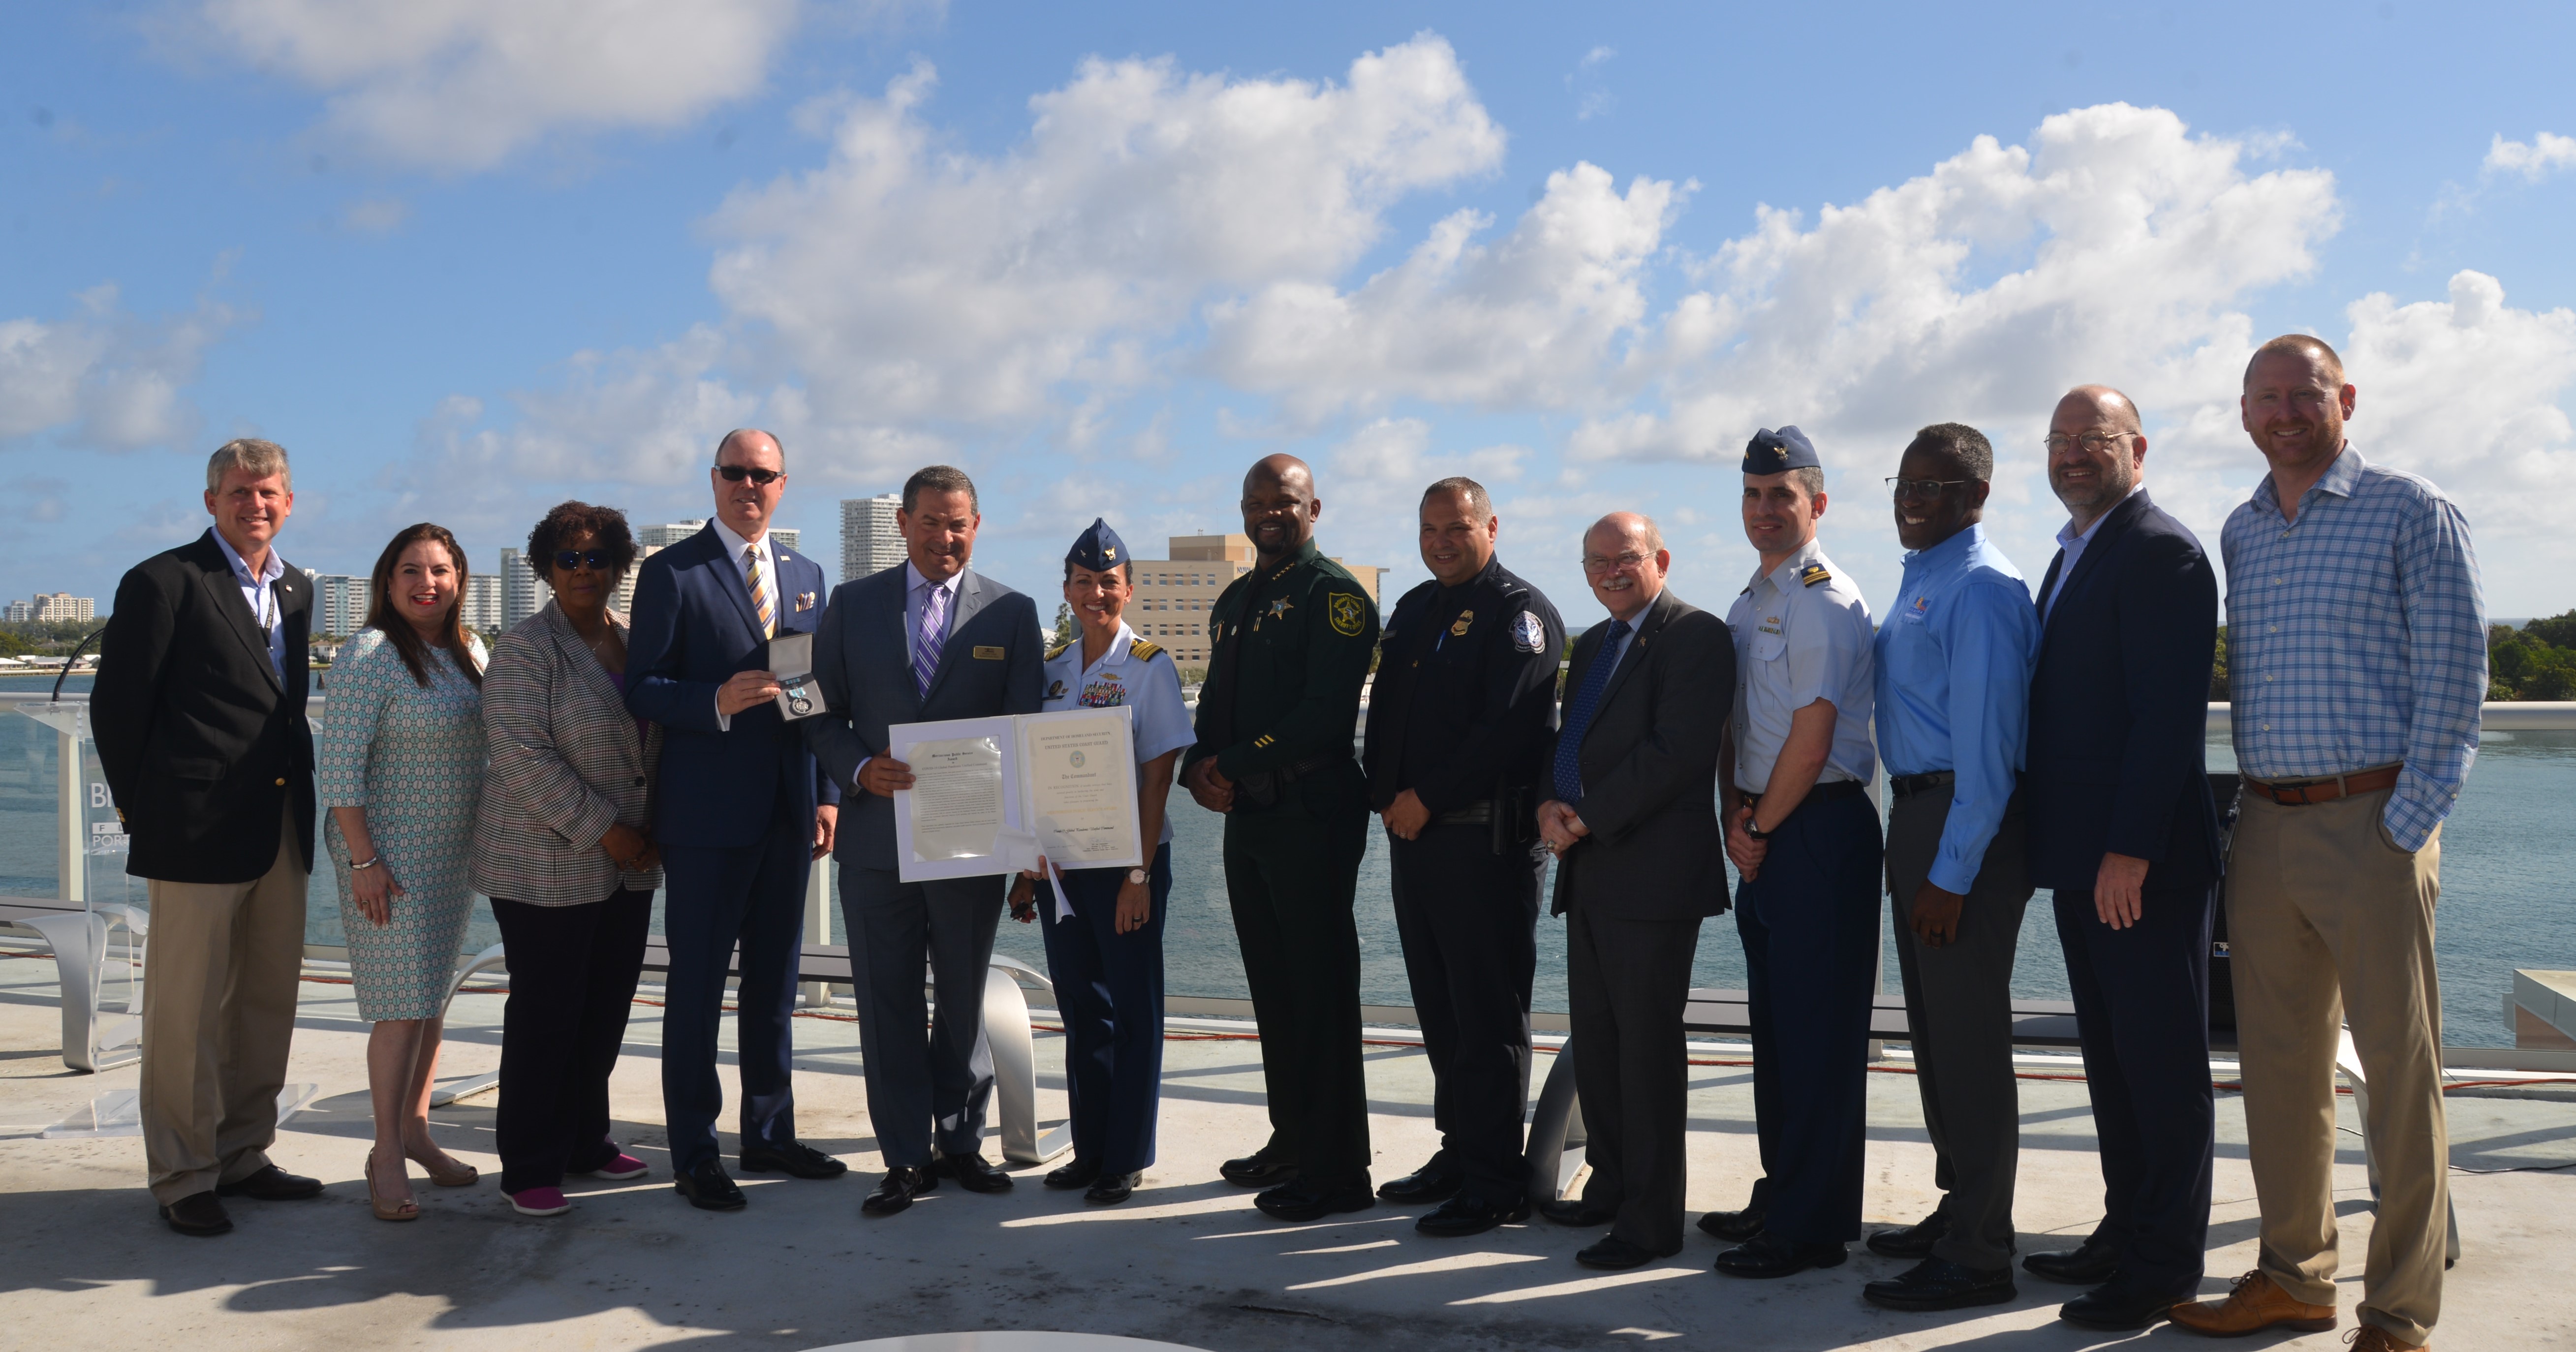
point(2357, 659)
point(2122, 828)
point(1953, 713)
point(1290, 647)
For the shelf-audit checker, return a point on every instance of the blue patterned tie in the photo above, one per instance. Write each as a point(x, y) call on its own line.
point(933, 634)
point(1578, 715)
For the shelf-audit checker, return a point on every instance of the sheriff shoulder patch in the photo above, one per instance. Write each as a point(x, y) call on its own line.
point(1528, 634)
point(1347, 615)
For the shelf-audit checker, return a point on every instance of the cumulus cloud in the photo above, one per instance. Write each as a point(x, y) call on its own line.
point(375, 216)
point(2536, 159)
point(102, 378)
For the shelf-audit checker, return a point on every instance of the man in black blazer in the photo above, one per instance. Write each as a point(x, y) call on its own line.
point(1632, 818)
point(199, 716)
point(920, 642)
point(2122, 826)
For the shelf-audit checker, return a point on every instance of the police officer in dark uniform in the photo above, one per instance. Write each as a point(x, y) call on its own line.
point(1292, 643)
point(1457, 749)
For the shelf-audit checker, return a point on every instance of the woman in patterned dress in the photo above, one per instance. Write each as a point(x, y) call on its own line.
point(402, 770)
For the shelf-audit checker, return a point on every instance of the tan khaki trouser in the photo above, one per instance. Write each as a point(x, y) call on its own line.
point(2329, 922)
point(219, 986)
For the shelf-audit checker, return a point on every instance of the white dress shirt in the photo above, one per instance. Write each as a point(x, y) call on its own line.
point(735, 547)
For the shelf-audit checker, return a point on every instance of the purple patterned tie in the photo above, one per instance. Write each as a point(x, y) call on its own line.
point(933, 635)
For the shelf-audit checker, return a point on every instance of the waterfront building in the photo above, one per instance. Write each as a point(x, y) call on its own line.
point(870, 543)
point(21, 612)
point(523, 593)
point(47, 607)
point(339, 604)
point(482, 602)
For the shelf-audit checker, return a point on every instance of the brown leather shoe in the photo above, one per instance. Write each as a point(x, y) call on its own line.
point(2257, 1302)
point(2373, 1338)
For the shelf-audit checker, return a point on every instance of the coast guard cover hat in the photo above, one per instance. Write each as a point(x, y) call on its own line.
point(1098, 549)
point(1772, 452)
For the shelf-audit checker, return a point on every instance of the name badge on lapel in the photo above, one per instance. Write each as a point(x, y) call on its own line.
point(988, 654)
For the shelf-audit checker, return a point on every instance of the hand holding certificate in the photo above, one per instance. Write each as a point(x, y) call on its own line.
point(985, 789)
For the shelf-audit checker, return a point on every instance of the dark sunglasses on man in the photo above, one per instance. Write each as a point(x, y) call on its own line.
point(735, 474)
point(570, 559)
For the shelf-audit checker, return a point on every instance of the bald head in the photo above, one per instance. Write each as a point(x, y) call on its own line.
point(1279, 507)
point(1625, 561)
point(2102, 405)
point(2097, 451)
point(752, 441)
point(745, 458)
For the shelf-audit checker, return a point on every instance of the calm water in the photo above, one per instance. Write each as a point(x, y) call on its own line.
point(2508, 859)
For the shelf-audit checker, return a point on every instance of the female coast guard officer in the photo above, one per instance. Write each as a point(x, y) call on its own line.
point(1104, 939)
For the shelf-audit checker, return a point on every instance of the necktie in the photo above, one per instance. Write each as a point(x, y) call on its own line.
point(759, 584)
point(1578, 715)
point(933, 635)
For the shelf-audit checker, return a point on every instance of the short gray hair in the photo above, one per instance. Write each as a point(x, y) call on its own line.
point(1810, 478)
point(939, 479)
point(1479, 503)
point(252, 456)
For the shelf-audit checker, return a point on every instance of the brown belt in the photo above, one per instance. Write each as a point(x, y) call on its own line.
point(2306, 792)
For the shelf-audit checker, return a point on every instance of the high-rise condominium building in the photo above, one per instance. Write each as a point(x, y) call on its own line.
point(339, 604)
point(523, 593)
point(482, 602)
point(869, 541)
point(47, 607)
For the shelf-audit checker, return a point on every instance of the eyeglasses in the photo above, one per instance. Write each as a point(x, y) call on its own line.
point(1594, 563)
point(735, 474)
point(570, 559)
point(2094, 443)
point(1924, 488)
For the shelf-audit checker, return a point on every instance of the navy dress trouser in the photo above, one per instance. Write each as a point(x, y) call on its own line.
point(1109, 988)
point(713, 899)
point(2142, 1011)
point(935, 1086)
point(1809, 924)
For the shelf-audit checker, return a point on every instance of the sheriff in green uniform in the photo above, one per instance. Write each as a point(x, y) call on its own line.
point(1292, 642)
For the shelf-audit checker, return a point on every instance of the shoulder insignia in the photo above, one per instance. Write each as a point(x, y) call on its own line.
point(1465, 618)
point(1529, 633)
point(1813, 574)
point(1143, 650)
point(1059, 650)
point(1347, 615)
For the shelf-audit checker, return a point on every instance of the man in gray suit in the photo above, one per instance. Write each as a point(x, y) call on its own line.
point(1633, 821)
point(919, 643)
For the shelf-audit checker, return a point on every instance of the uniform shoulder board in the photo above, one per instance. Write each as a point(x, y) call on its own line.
point(1814, 574)
point(1058, 650)
point(1143, 650)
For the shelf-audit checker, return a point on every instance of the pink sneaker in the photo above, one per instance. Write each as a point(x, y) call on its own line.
point(623, 1167)
point(539, 1202)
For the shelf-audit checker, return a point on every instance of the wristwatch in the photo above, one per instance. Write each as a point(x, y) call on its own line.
point(1137, 876)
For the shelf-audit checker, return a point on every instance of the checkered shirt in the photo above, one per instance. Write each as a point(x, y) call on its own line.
point(2356, 637)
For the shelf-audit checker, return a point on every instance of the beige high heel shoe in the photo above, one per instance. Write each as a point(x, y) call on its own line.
point(404, 1210)
point(445, 1170)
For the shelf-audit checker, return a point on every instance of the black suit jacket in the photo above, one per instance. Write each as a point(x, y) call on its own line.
point(203, 745)
point(2119, 708)
point(1649, 761)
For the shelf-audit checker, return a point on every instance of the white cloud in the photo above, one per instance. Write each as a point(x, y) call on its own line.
point(2535, 160)
point(102, 378)
point(375, 216)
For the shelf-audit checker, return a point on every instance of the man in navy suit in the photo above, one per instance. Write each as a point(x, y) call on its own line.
point(2121, 825)
point(741, 818)
point(925, 641)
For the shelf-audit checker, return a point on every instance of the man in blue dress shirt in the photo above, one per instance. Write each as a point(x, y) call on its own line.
point(1954, 663)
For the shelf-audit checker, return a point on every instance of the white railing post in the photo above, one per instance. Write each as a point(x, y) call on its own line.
point(71, 833)
point(818, 928)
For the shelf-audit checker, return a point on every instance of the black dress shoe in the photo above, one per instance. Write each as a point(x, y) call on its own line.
point(1078, 1174)
point(2088, 1264)
point(1735, 1227)
point(1910, 1241)
point(973, 1174)
point(1766, 1256)
point(1467, 1214)
point(271, 1184)
point(896, 1190)
point(2117, 1305)
point(1616, 1253)
point(708, 1188)
point(1111, 1189)
point(1939, 1284)
point(794, 1158)
point(1572, 1211)
point(198, 1216)
point(1260, 1169)
point(1425, 1184)
point(1302, 1201)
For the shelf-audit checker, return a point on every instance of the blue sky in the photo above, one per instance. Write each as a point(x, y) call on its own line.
point(465, 258)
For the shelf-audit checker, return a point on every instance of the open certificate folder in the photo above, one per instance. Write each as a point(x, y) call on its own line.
point(992, 795)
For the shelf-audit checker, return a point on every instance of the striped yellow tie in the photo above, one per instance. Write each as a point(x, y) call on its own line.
point(759, 591)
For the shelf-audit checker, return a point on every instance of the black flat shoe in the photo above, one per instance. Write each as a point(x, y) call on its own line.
point(709, 1188)
point(896, 1190)
point(1735, 1227)
point(796, 1159)
point(1763, 1257)
point(1301, 1201)
point(1615, 1254)
point(198, 1216)
point(2114, 1307)
point(1113, 1188)
point(1465, 1215)
point(1911, 1241)
point(973, 1174)
point(2088, 1264)
point(1260, 1169)
point(1078, 1174)
point(1425, 1184)
point(1939, 1284)
point(1572, 1211)
point(271, 1184)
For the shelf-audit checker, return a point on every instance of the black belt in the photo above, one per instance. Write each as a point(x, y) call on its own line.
point(1906, 786)
point(1480, 813)
point(1290, 774)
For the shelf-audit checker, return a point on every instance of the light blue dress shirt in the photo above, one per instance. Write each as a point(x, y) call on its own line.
point(1801, 635)
point(1954, 662)
point(266, 611)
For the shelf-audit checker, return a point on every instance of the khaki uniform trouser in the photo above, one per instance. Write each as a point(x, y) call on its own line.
point(2329, 922)
point(219, 987)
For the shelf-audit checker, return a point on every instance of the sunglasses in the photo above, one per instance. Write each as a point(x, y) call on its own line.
point(735, 474)
point(569, 559)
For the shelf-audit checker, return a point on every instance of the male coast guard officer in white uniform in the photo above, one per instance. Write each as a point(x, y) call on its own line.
point(1805, 838)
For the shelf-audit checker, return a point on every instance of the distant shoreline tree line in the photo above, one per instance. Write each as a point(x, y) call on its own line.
point(2534, 662)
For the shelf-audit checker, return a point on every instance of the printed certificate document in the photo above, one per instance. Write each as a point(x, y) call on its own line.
point(989, 795)
point(1079, 770)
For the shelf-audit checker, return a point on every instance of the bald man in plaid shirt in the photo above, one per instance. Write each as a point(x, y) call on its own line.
point(2357, 660)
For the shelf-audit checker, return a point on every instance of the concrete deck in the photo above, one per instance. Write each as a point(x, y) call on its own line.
point(84, 1263)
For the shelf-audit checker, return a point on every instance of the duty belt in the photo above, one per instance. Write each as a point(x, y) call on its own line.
point(1906, 786)
point(1480, 813)
point(2307, 792)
